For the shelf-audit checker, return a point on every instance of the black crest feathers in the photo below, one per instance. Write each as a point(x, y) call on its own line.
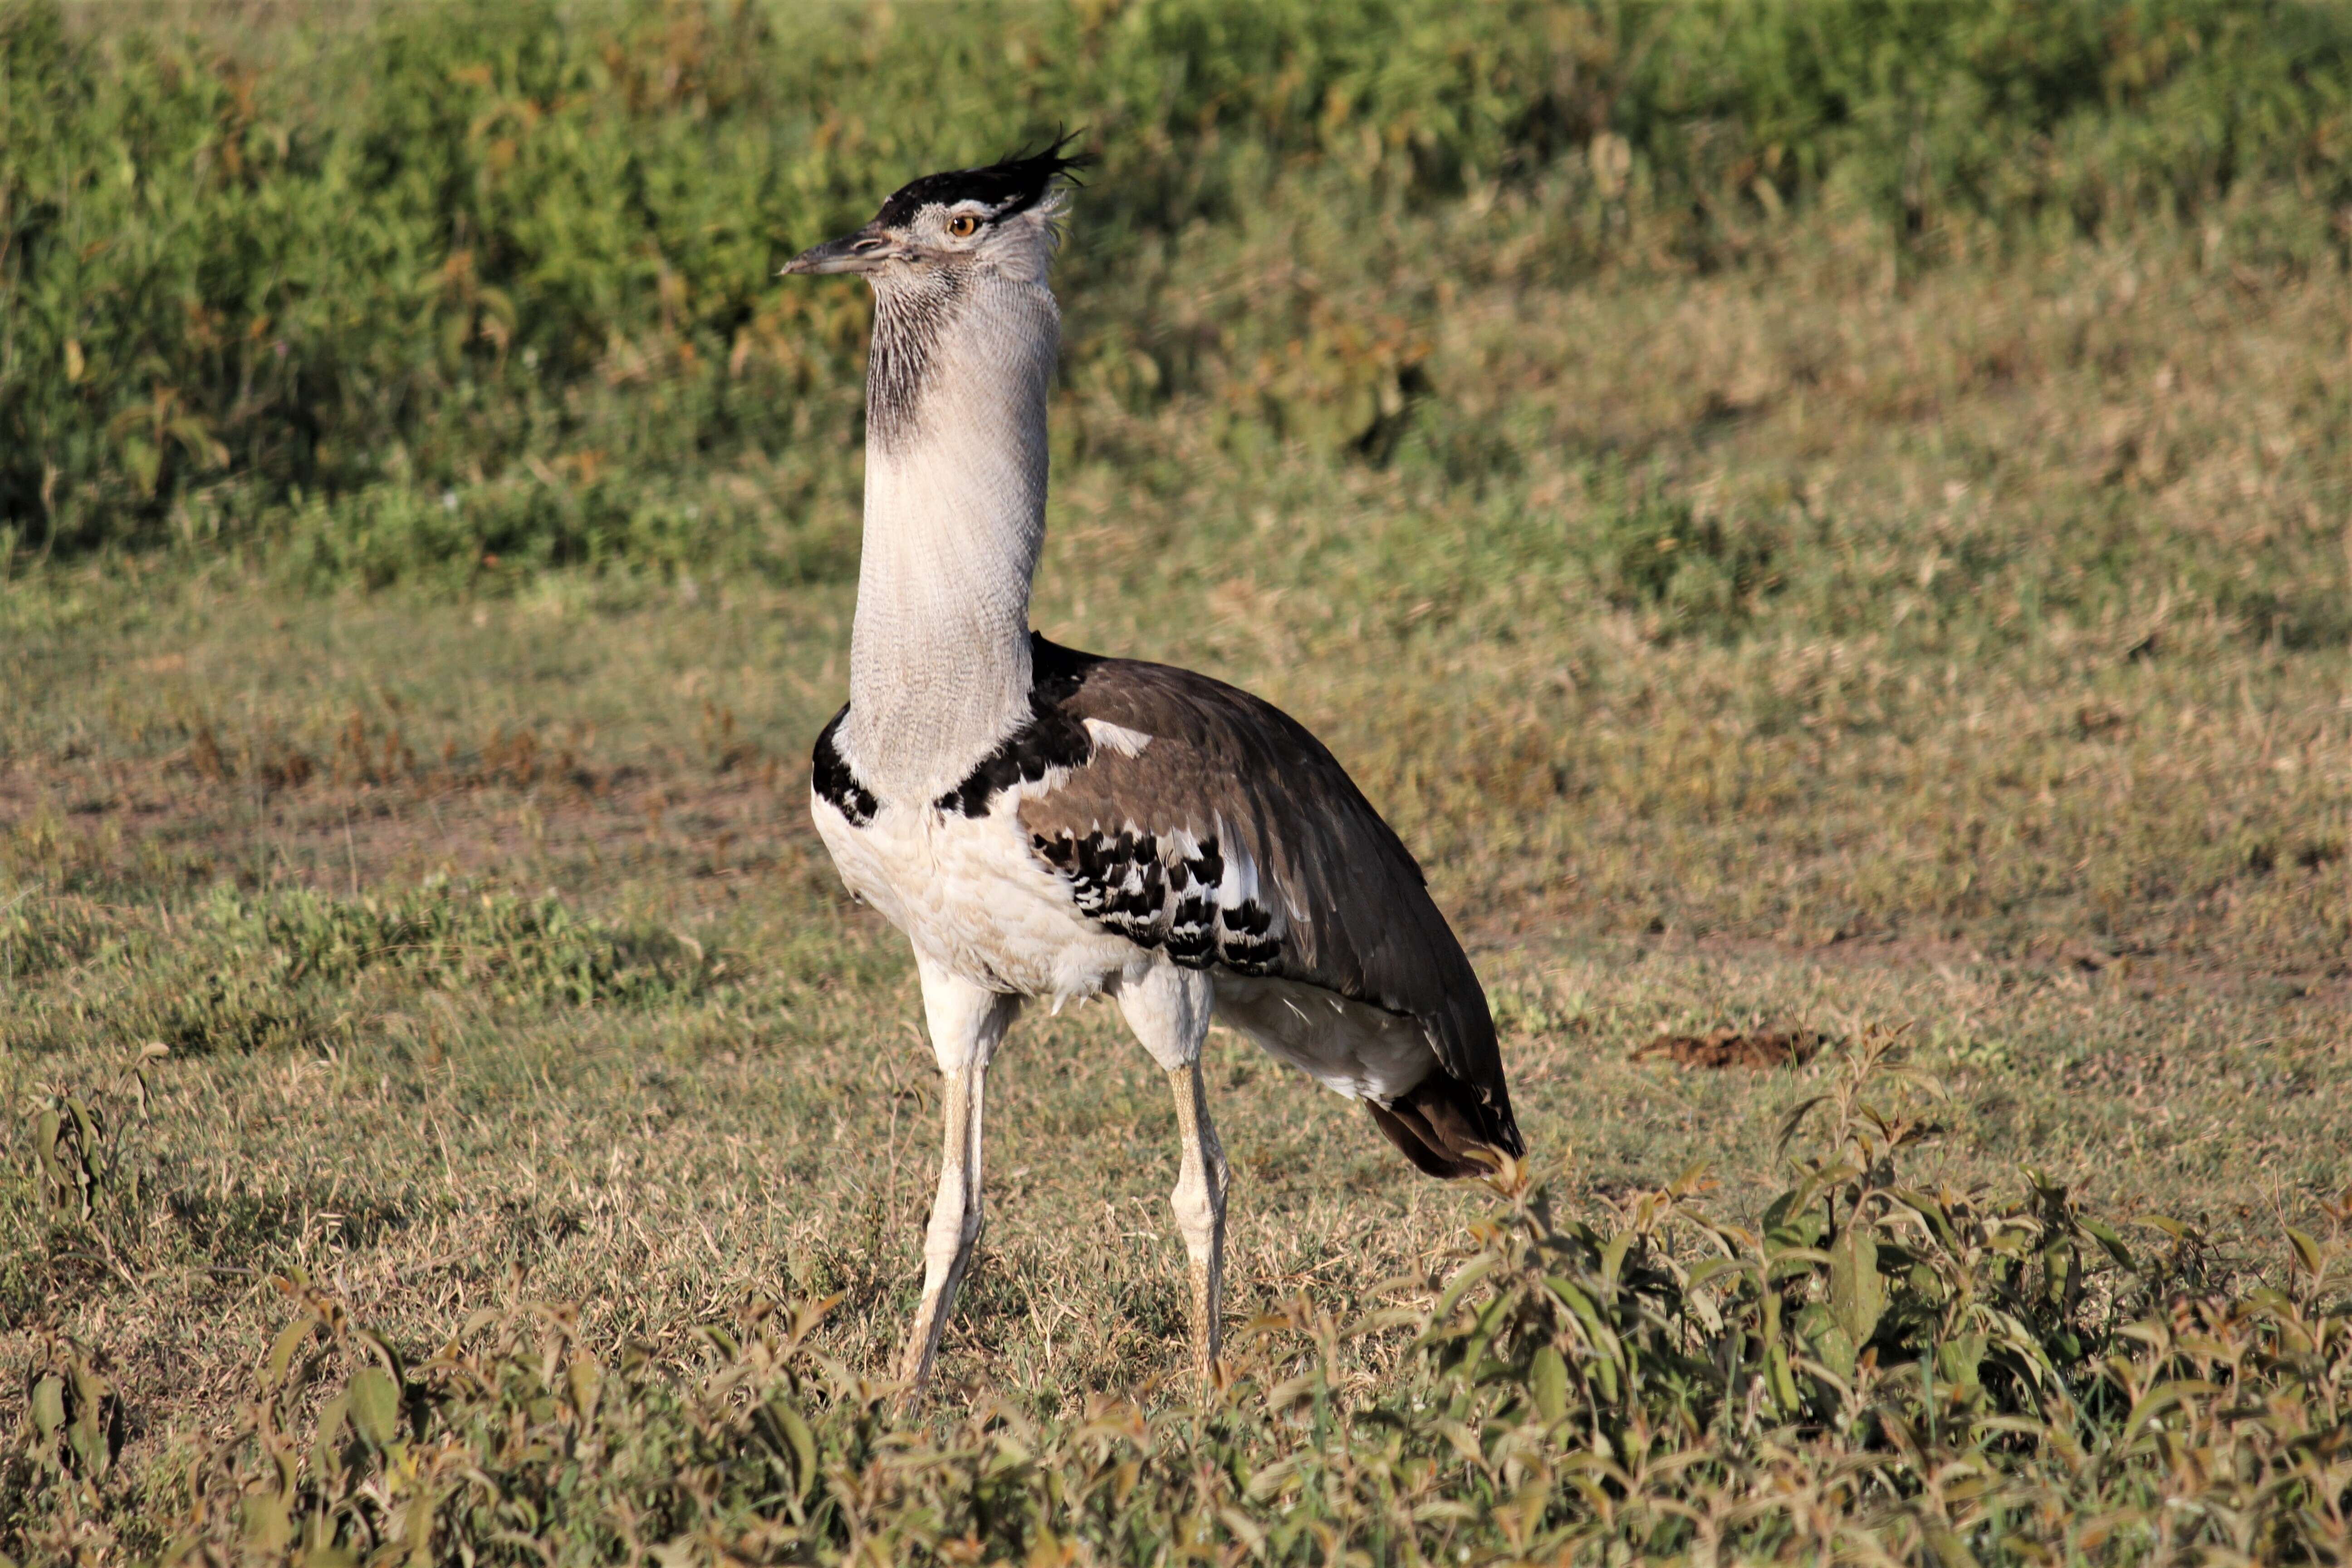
point(1008, 186)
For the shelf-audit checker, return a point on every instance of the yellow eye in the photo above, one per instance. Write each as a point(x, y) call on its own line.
point(963, 226)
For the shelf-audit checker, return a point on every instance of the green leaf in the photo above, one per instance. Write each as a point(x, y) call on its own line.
point(1271, 1478)
point(1477, 1269)
point(144, 463)
point(2158, 1400)
point(1571, 1296)
point(281, 1350)
point(1711, 1269)
point(49, 1406)
point(1608, 1351)
point(586, 1379)
point(1780, 1379)
point(383, 1348)
point(2308, 1253)
point(88, 1440)
point(323, 1461)
point(1950, 1551)
point(1857, 1295)
point(1793, 1262)
point(2105, 1236)
point(1821, 1330)
point(1957, 1360)
point(375, 1405)
point(1796, 1118)
point(267, 1527)
point(803, 1444)
point(86, 1125)
point(1548, 1381)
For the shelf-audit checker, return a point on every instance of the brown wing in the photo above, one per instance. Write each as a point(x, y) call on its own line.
point(1209, 824)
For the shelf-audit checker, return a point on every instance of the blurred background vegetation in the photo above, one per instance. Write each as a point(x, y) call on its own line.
point(445, 290)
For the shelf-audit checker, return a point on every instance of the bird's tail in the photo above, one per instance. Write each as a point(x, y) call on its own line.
point(1448, 1129)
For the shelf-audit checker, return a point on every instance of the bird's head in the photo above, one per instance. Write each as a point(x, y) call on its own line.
point(999, 218)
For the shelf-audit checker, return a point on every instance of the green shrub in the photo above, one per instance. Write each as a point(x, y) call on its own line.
point(522, 254)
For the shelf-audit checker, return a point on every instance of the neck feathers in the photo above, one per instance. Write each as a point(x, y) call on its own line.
point(955, 516)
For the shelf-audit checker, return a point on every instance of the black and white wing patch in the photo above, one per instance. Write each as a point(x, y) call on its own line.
point(1175, 891)
point(1212, 826)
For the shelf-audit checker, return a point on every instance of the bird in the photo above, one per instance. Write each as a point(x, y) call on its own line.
point(1047, 826)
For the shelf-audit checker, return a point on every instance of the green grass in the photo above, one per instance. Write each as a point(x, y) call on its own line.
point(1935, 639)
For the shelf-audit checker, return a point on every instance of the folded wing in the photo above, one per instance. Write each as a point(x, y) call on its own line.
point(1199, 820)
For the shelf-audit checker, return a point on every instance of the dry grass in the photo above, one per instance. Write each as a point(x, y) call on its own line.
point(2025, 737)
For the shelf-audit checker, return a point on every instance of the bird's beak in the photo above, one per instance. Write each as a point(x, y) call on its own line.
point(864, 251)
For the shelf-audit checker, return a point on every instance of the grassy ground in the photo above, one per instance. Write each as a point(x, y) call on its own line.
point(1822, 641)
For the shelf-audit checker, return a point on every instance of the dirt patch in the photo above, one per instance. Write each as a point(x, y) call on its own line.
point(1722, 1049)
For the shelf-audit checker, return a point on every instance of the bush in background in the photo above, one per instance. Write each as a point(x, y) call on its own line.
point(476, 283)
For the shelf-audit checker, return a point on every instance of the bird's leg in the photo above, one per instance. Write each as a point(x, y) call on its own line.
point(1200, 1203)
point(1167, 1007)
point(966, 1023)
point(955, 1225)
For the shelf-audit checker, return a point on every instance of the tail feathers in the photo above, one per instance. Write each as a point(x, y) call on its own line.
point(1446, 1129)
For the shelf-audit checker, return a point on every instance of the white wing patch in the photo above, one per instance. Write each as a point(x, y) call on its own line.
point(1117, 738)
point(1238, 888)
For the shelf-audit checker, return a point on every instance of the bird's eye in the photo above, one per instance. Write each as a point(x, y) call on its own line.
point(963, 226)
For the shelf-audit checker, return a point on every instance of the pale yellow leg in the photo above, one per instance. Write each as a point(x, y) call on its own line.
point(966, 1023)
point(955, 1226)
point(1199, 1201)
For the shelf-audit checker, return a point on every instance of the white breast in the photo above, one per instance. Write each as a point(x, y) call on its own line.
point(972, 896)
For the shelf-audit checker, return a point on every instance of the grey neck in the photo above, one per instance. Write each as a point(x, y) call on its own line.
point(955, 516)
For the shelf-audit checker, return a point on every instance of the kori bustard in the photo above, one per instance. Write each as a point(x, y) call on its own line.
point(1049, 824)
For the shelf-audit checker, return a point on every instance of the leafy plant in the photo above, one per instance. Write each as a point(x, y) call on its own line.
point(87, 1155)
point(73, 1418)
